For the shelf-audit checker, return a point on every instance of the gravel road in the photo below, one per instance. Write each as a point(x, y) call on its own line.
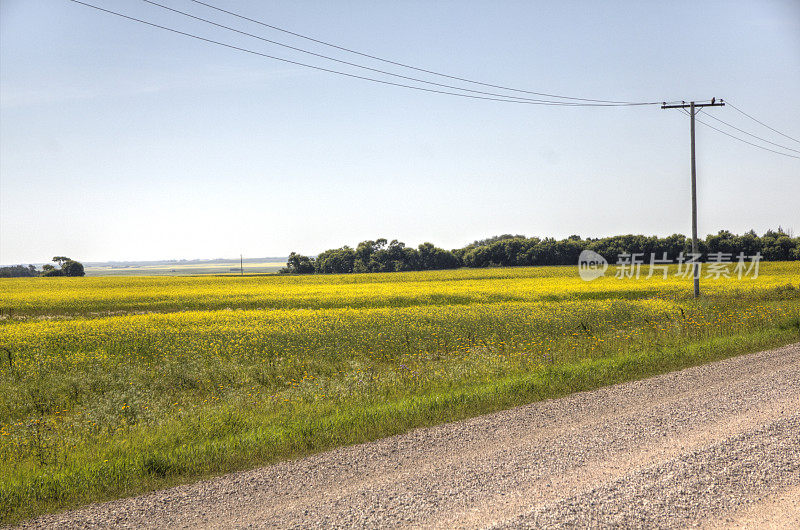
point(715, 446)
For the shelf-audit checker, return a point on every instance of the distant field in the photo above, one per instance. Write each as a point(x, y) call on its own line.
point(114, 385)
point(182, 269)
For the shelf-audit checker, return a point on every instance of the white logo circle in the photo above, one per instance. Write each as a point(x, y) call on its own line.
point(591, 265)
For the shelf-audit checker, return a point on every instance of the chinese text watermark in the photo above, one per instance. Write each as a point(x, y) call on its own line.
point(592, 265)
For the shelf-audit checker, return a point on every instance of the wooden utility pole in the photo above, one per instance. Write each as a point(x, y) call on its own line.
point(241, 265)
point(692, 106)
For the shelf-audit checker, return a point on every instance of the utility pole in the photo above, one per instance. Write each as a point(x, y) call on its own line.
point(692, 106)
point(241, 265)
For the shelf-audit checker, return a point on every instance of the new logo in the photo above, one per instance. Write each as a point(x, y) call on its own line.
point(591, 265)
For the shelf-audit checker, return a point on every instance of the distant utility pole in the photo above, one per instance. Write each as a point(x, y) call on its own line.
point(692, 106)
point(241, 265)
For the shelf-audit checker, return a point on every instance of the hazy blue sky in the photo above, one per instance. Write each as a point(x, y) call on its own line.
point(121, 141)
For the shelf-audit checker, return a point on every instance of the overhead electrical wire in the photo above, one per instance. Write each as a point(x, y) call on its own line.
point(737, 109)
point(740, 139)
point(396, 63)
point(751, 134)
point(484, 95)
point(495, 94)
point(504, 99)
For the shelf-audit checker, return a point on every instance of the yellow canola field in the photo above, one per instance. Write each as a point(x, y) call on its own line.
point(104, 295)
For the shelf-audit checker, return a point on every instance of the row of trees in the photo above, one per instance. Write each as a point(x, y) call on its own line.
point(374, 256)
point(19, 271)
point(66, 267)
point(509, 250)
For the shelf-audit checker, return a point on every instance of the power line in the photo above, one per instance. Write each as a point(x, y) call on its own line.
point(347, 62)
point(396, 63)
point(751, 134)
point(742, 140)
point(504, 99)
point(737, 109)
point(745, 141)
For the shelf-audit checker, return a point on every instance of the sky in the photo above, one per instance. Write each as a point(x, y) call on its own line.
point(120, 141)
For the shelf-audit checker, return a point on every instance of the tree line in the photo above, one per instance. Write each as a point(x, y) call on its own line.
point(506, 250)
point(66, 267)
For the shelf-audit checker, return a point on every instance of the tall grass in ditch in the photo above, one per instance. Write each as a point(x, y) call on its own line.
point(94, 406)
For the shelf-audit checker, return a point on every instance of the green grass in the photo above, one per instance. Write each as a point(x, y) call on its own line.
point(97, 406)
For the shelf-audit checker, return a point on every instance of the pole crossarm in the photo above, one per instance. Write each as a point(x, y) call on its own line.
point(719, 103)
